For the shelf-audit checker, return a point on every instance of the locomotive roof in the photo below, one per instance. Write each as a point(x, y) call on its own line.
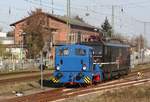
point(116, 45)
point(105, 43)
point(75, 46)
point(115, 42)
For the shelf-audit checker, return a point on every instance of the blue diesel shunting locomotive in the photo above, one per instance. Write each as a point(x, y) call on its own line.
point(74, 64)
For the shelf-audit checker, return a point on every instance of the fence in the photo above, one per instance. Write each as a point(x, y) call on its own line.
point(139, 58)
point(9, 65)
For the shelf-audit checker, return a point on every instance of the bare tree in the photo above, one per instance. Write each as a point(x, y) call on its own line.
point(119, 36)
point(79, 18)
point(139, 41)
point(36, 32)
point(10, 34)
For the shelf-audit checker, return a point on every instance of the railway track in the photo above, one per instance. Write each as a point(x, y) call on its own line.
point(63, 93)
point(35, 75)
point(21, 77)
point(18, 73)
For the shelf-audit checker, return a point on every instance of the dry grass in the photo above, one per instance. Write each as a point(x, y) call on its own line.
point(131, 94)
point(23, 86)
point(138, 67)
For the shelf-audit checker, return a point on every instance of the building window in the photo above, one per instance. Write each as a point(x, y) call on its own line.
point(72, 38)
point(79, 37)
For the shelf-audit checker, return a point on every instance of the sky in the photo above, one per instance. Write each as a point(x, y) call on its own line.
point(129, 15)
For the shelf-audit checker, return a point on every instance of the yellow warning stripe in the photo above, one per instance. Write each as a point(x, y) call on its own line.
point(57, 81)
point(87, 80)
point(54, 80)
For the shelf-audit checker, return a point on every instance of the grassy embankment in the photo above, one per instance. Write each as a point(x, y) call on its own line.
point(131, 94)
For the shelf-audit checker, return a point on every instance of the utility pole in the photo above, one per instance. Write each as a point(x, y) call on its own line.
point(41, 68)
point(41, 3)
point(144, 34)
point(68, 21)
point(112, 20)
point(52, 7)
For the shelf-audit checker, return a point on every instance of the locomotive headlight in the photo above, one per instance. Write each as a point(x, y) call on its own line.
point(58, 68)
point(84, 67)
point(100, 65)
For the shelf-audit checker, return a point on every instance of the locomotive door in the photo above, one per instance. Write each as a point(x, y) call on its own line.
point(91, 60)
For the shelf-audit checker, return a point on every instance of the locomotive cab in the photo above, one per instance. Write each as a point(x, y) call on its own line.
point(74, 64)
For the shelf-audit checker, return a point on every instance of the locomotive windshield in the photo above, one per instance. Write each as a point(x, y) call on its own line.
point(97, 50)
point(80, 52)
point(63, 52)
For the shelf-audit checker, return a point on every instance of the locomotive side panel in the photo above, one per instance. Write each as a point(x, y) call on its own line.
point(118, 54)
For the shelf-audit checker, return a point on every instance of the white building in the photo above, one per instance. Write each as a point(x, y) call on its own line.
point(147, 52)
point(3, 35)
point(6, 40)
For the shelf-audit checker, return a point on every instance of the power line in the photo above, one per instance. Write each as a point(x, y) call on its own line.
point(83, 9)
point(89, 10)
point(128, 5)
point(43, 5)
point(134, 3)
point(74, 8)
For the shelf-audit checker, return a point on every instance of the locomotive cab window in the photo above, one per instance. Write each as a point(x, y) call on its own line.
point(97, 50)
point(63, 52)
point(80, 52)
